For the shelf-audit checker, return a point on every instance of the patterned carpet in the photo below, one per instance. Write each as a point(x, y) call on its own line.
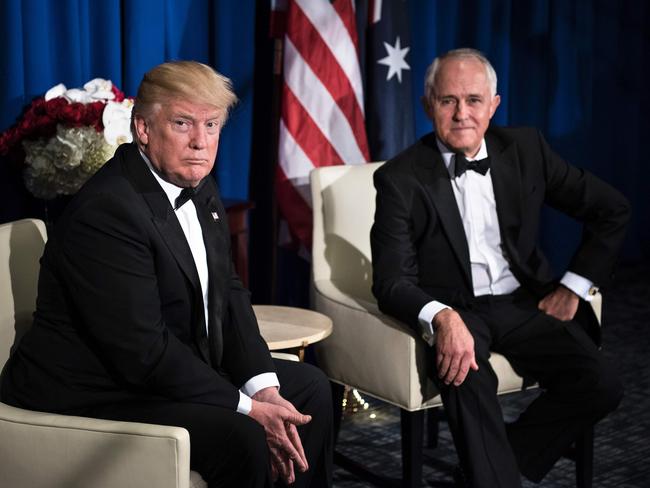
point(622, 440)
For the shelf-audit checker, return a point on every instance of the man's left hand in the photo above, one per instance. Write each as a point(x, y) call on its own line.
point(561, 303)
point(282, 464)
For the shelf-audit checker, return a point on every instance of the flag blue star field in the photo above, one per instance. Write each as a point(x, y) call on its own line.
point(390, 123)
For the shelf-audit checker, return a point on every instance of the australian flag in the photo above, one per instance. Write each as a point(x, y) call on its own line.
point(385, 54)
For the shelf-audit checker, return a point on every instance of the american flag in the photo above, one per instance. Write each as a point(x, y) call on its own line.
point(322, 107)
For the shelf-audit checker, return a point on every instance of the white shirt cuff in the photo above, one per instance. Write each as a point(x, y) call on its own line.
point(259, 382)
point(245, 404)
point(426, 317)
point(252, 386)
point(579, 285)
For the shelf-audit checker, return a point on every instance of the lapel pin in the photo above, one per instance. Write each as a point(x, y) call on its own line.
point(215, 217)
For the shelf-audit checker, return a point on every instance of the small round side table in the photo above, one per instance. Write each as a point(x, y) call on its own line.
point(291, 327)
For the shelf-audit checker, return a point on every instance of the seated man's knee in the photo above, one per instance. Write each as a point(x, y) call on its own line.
point(483, 379)
point(225, 454)
point(320, 391)
point(310, 381)
point(320, 383)
point(249, 441)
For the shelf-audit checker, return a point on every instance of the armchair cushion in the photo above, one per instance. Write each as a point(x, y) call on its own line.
point(43, 450)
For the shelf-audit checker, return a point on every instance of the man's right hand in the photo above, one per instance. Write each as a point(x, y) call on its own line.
point(454, 347)
point(279, 424)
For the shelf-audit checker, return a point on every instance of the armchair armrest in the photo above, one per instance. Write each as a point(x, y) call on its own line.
point(371, 351)
point(43, 450)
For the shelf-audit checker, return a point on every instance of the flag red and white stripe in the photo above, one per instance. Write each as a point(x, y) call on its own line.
point(322, 111)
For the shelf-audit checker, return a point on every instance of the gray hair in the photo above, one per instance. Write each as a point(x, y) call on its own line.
point(465, 52)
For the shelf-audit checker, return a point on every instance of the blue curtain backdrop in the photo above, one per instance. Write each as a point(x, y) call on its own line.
point(576, 69)
point(45, 42)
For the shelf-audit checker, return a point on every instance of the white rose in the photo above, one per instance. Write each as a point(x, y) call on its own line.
point(77, 95)
point(117, 122)
point(55, 91)
point(100, 89)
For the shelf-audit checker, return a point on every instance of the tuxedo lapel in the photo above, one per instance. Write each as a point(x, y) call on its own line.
point(174, 237)
point(433, 174)
point(162, 213)
point(506, 181)
point(215, 236)
point(163, 218)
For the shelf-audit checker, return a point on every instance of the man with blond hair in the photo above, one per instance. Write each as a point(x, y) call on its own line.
point(141, 317)
point(455, 256)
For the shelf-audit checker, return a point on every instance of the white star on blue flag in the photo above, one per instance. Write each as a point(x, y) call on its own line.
point(396, 59)
point(390, 123)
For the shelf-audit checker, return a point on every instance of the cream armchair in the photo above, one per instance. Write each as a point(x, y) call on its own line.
point(39, 450)
point(368, 350)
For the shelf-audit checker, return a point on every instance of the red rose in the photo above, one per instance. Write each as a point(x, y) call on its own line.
point(38, 106)
point(26, 125)
point(119, 94)
point(73, 114)
point(93, 113)
point(55, 106)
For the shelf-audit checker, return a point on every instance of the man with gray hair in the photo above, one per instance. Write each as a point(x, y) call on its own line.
point(141, 317)
point(455, 256)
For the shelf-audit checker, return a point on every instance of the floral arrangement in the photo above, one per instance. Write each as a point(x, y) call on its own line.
point(65, 136)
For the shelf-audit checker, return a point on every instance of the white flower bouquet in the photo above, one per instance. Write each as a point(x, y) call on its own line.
point(65, 136)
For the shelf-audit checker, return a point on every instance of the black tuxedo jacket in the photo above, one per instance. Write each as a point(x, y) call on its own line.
point(120, 310)
point(419, 248)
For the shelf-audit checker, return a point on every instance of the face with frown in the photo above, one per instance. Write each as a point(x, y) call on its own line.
point(181, 139)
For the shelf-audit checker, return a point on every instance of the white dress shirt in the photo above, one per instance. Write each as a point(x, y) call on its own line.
point(491, 274)
point(189, 221)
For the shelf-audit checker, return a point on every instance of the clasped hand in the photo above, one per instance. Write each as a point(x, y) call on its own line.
point(279, 419)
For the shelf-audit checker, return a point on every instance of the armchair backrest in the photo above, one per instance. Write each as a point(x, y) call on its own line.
point(21, 247)
point(343, 199)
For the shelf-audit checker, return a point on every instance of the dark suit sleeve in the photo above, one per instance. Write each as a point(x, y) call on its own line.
point(107, 261)
point(603, 211)
point(394, 256)
point(245, 352)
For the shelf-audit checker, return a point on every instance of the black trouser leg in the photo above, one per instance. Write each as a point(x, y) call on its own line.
point(579, 387)
point(476, 421)
point(308, 389)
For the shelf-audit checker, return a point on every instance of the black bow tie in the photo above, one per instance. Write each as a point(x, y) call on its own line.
point(187, 194)
point(462, 165)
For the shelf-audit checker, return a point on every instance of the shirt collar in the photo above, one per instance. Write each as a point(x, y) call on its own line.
point(172, 191)
point(448, 155)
